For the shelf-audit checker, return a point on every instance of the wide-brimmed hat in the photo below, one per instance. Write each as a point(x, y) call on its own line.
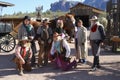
point(24, 38)
point(56, 34)
point(27, 17)
point(94, 18)
point(46, 21)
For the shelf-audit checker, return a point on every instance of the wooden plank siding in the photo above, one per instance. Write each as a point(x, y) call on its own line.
point(84, 9)
point(85, 12)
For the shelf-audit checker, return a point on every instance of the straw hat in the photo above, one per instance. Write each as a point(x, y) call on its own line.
point(94, 18)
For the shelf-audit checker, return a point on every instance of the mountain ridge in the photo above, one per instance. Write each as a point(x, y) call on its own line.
point(64, 5)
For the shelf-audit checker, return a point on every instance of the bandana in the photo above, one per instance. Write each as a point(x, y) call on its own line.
point(94, 28)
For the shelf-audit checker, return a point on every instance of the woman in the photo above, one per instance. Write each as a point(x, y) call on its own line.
point(58, 44)
point(60, 52)
point(23, 54)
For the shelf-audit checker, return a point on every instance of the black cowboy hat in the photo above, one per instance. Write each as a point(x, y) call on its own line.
point(27, 17)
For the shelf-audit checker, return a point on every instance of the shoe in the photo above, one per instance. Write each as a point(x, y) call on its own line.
point(98, 66)
point(83, 61)
point(21, 72)
point(80, 61)
point(94, 69)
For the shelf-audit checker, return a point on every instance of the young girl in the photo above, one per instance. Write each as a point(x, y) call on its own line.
point(23, 54)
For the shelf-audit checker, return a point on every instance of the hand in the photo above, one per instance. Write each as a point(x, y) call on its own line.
point(49, 41)
point(22, 61)
point(101, 43)
point(42, 42)
point(82, 43)
point(28, 61)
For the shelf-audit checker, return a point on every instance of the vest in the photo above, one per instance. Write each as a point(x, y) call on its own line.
point(95, 33)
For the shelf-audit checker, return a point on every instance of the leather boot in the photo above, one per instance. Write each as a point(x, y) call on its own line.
point(98, 64)
point(21, 72)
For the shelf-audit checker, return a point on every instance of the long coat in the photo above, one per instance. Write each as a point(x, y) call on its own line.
point(82, 42)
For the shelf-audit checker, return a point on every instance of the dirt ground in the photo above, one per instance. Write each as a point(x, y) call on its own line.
point(110, 70)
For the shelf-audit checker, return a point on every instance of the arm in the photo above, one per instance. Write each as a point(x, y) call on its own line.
point(20, 32)
point(32, 33)
point(39, 30)
point(30, 53)
point(84, 35)
point(50, 36)
point(67, 47)
point(18, 55)
point(52, 51)
point(102, 32)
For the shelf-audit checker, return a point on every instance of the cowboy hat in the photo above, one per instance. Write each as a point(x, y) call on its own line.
point(56, 34)
point(24, 38)
point(94, 18)
point(27, 17)
point(46, 21)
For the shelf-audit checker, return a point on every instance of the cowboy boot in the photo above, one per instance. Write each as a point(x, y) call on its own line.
point(40, 59)
point(45, 59)
point(98, 64)
point(21, 72)
point(74, 63)
point(20, 67)
point(94, 63)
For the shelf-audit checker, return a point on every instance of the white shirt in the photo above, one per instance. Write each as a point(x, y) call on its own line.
point(65, 45)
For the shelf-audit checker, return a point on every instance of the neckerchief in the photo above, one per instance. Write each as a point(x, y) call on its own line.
point(94, 28)
point(23, 53)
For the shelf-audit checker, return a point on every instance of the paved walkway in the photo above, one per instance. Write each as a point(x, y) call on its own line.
point(110, 70)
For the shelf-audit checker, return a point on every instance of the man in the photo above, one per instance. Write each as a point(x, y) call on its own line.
point(81, 44)
point(97, 35)
point(26, 29)
point(44, 35)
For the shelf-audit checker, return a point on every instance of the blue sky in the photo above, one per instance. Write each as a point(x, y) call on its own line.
point(27, 5)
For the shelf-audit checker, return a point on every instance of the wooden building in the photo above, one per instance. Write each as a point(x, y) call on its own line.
point(113, 28)
point(85, 12)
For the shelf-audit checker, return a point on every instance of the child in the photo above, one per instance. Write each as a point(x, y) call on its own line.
point(23, 54)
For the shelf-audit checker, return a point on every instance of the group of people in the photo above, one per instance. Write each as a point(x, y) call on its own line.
point(53, 43)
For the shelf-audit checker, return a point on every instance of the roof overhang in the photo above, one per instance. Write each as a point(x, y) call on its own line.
point(5, 4)
point(96, 10)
